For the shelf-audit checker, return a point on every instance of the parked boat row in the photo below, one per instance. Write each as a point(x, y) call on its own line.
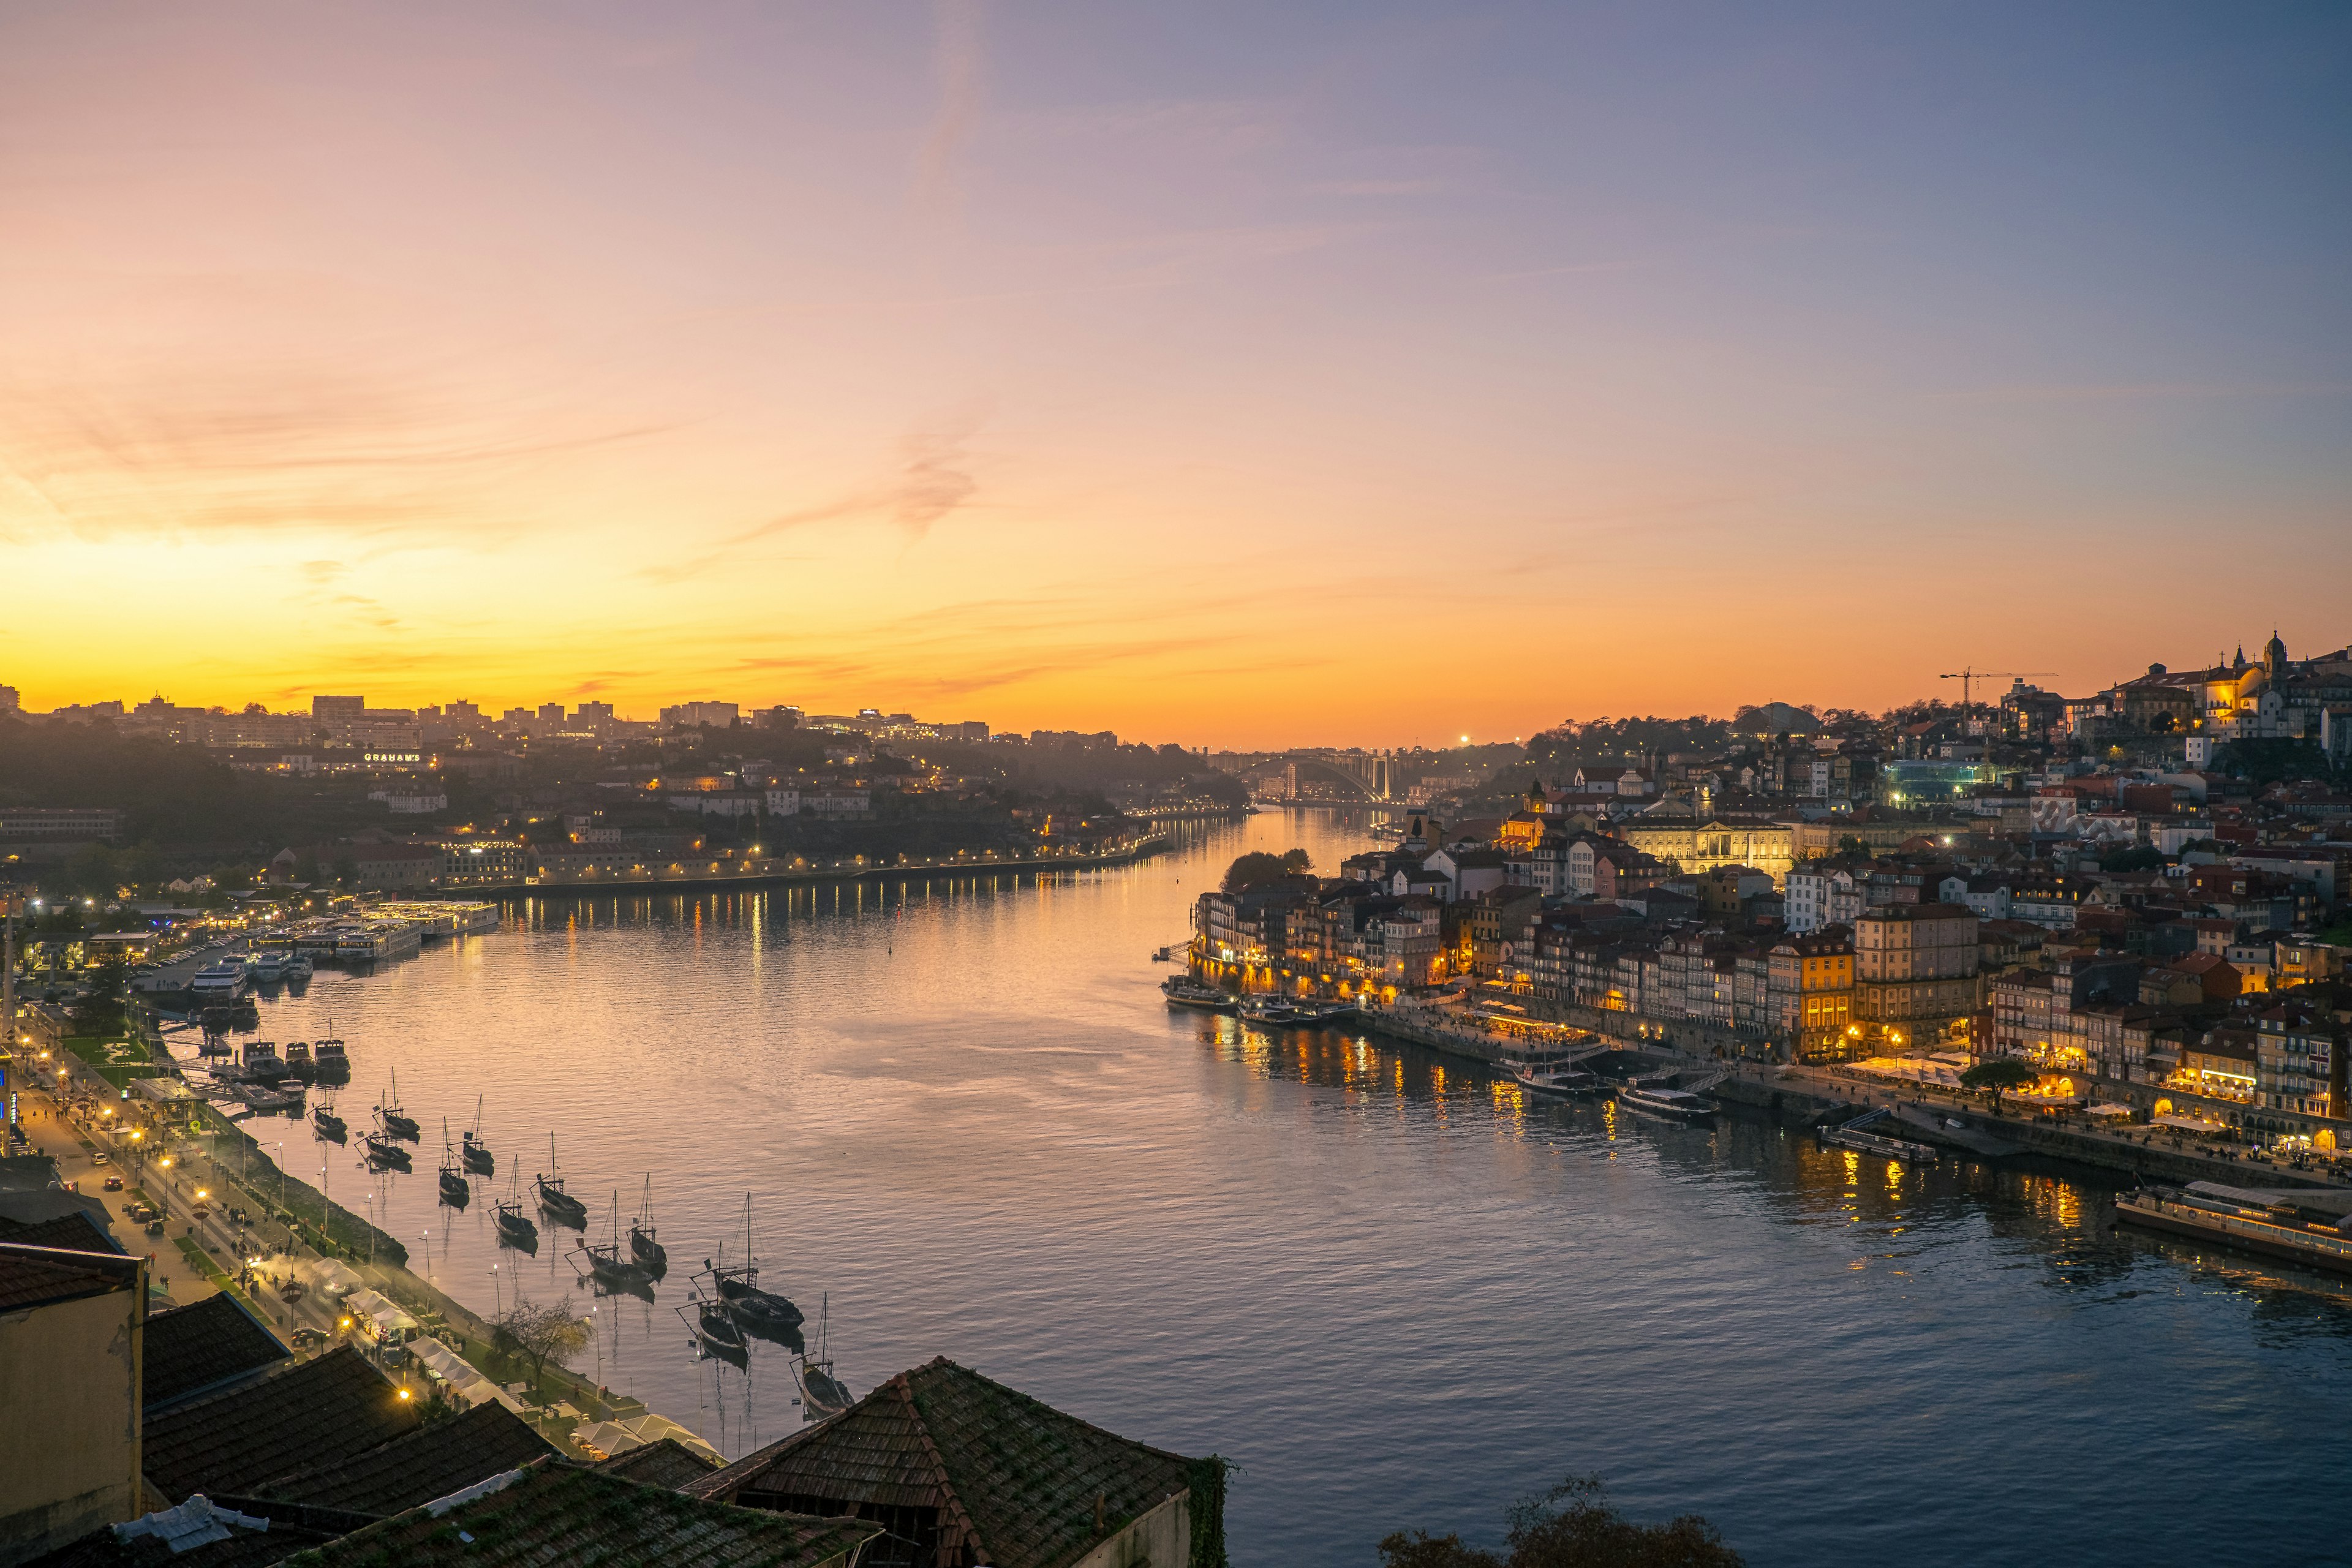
point(1266, 1011)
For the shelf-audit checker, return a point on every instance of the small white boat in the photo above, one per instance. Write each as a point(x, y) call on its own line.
point(1679, 1104)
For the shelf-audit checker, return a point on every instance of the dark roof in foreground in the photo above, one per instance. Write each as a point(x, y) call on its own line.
point(1014, 1480)
point(193, 1347)
point(74, 1232)
point(419, 1466)
point(552, 1512)
point(38, 1276)
point(305, 1413)
point(228, 1541)
point(668, 1463)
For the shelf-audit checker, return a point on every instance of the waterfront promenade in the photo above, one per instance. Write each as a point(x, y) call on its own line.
point(204, 1253)
point(1810, 1092)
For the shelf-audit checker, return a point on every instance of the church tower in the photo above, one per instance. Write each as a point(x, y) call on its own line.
point(2274, 657)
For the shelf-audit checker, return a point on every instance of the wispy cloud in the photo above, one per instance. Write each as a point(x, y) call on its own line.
point(2145, 392)
point(956, 63)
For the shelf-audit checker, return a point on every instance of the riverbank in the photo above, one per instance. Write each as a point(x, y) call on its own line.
point(1802, 1096)
point(768, 872)
point(228, 1230)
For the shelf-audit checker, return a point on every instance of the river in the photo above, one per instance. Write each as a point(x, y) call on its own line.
point(1393, 1292)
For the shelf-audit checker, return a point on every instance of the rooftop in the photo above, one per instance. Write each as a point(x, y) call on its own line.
point(41, 1276)
point(418, 1466)
point(547, 1512)
point(196, 1347)
point(1015, 1482)
point(240, 1437)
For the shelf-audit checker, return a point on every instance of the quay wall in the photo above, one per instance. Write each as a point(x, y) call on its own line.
point(766, 876)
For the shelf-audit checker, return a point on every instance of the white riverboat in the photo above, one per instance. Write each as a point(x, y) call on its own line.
point(1659, 1100)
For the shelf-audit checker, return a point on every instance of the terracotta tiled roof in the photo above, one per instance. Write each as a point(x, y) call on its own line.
point(416, 1467)
point(309, 1412)
point(74, 1231)
point(36, 1276)
point(668, 1463)
point(550, 1512)
point(1015, 1482)
point(192, 1348)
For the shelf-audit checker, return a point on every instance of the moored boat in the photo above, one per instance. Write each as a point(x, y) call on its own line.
point(1183, 991)
point(333, 1065)
point(476, 1153)
point(715, 1333)
point(455, 1191)
point(645, 1250)
point(762, 1313)
point(515, 1228)
point(2264, 1224)
point(1551, 1077)
point(553, 1201)
point(822, 1394)
point(390, 1117)
point(1658, 1101)
point(383, 1153)
point(330, 1126)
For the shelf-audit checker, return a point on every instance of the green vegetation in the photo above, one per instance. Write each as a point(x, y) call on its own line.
point(1260, 869)
point(1572, 1526)
point(2000, 1075)
point(116, 1061)
point(343, 1234)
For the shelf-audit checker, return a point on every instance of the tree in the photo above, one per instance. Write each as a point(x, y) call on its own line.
point(2000, 1075)
point(1260, 869)
point(99, 1011)
point(540, 1334)
point(1572, 1526)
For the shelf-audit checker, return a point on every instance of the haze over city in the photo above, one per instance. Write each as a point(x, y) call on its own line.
point(1244, 376)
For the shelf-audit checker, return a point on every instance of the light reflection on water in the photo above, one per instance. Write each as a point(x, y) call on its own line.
point(1395, 1289)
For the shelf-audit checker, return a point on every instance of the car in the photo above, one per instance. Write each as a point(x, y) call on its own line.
point(305, 1338)
point(98, 1158)
point(114, 1183)
point(154, 1228)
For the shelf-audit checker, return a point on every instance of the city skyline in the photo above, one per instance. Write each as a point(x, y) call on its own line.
point(1237, 377)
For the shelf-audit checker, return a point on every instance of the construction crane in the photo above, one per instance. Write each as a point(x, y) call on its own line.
point(1968, 673)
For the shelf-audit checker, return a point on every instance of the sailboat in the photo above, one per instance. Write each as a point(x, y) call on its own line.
point(455, 1191)
point(763, 1313)
point(822, 1394)
point(475, 1153)
point(715, 1334)
point(559, 1205)
point(384, 1153)
point(515, 1228)
point(606, 1265)
point(647, 1252)
point(331, 1126)
point(388, 1116)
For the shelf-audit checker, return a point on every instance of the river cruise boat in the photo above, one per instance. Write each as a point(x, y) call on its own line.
point(298, 968)
point(1659, 1100)
point(1272, 1012)
point(330, 1061)
point(223, 981)
point(299, 1064)
point(1551, 1074)
point(270, 967)
point(2246, 1221)
point(1183, 991)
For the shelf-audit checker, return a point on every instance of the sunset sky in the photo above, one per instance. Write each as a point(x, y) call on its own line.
point(1227, 374)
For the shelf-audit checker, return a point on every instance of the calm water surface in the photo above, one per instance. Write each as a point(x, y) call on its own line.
point(1392, 1290)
